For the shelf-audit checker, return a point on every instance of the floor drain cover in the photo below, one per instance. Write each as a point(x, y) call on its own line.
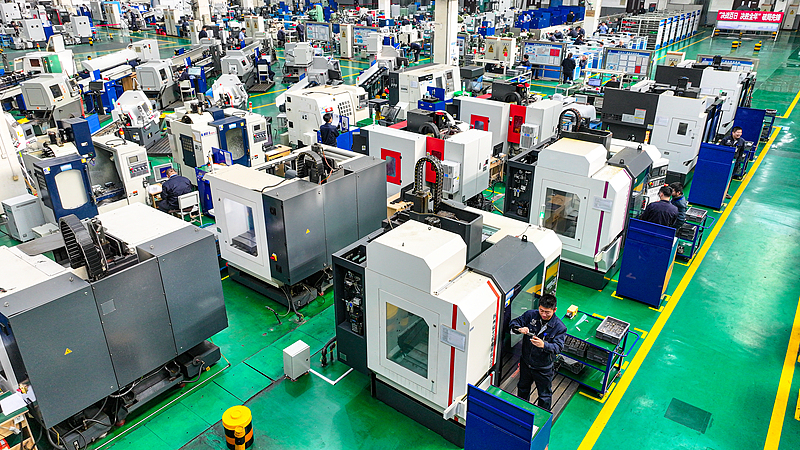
point(688, 415)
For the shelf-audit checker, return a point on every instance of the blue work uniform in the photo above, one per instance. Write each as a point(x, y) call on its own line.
point(328, 134)
point(536, 364)
point(661, 212)
point(172, 189)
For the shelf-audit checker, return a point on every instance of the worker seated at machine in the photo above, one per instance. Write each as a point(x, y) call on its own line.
point(661, 212)
point(175, 186)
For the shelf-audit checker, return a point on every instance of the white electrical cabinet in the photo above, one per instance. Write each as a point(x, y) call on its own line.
point(23, 214)
point(678, 129)
point(296, 360)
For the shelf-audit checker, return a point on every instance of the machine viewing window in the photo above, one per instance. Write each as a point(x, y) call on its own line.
point(55, 89)
point(683, 127)
point(391, 167)
point(241, 227)
point(235, 140)
point(561, 212)
point(407, 340)
point(71, 187)
point(163, 73)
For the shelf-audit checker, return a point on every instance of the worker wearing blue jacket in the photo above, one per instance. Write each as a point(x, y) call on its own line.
point(545, 335)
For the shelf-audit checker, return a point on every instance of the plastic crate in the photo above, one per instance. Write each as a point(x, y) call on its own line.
point(612, 330)
point(571, 365)
point(575, 346)
point(696, 215)
point(596, 354)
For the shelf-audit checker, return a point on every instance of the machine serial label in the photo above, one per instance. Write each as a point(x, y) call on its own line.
point(452, 337)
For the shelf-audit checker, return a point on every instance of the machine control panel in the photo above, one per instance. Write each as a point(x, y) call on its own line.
point(138, 166)
point(259, 136)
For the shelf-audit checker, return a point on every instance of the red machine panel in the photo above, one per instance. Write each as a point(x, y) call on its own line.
point(433, 147)
point(516, 118)
point(394, 166)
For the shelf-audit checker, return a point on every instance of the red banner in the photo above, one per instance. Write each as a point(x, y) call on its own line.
point(750, 16)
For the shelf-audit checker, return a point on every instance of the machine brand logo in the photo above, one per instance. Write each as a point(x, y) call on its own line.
point(67, 352)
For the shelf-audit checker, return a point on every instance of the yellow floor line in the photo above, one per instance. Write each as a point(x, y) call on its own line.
point(270, 92)
point(784, 387)
point(614, 294)
point(665, 55)
point(791, 107)
point(797, 408)
point(225, 277)
point(625, 381)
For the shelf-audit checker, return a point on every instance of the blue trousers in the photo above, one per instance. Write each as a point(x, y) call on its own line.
point(544, 384)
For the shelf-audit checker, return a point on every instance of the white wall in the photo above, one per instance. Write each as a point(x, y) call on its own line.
point(9, 167)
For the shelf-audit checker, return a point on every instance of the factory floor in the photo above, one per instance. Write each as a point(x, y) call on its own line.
point(714, 369)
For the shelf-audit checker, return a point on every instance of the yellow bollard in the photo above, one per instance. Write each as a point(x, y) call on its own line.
point(238, 424)
point(757, 48)
point(239, 438)
point(734, 45)
point(716, 32)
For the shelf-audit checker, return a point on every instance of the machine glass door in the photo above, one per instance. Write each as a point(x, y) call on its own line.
point(408, 340)
point(240, 229)
point(564, 211)
point(71, 189)
point(681, 131)
point(479, 122)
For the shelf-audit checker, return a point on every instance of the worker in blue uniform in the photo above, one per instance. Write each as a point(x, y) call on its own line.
point(174, 187)
point(328, 131)
point(544, 339)
point(734, 139)
point(679, 200)
point(661, 212)
point(241, 38)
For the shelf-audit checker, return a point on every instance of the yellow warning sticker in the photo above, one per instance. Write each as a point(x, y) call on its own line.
point(308, 231)
point(67, 352)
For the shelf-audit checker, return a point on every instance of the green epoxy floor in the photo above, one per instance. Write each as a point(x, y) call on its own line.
point(720, 340)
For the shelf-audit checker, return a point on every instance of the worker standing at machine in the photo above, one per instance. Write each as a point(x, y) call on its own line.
point(545, 335)
point(679, 200)
point(175, 186)
point(661, 212)
point(568, 68)
point(301, 31)
point(416, 48)
point(203, 34)
point(603, 28)
point(242, 35)
point(570, 17)
point(328, 131)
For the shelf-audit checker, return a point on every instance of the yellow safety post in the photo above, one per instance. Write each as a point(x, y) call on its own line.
point(238, 424)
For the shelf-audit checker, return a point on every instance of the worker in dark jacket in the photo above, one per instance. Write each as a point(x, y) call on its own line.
point(328, 132)
point(570, 17)
point(568, 68)
point(281, 37)
point(203, 33)
point(679, 200)
point(734, 139)
point(661, 212)
point(171, 189)
point(544, 339)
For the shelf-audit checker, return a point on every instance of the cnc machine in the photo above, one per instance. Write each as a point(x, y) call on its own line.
point(281, 222)
point(305, 109)
point(424, 305)
point(123, 323)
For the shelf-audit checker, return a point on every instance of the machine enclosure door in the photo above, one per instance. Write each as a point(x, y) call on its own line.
point(681, 131)
point(582, 194)
point(390, 303)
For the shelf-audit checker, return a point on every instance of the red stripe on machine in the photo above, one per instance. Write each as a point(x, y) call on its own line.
point(600, 228)
point(496, 322)
point(452, 358)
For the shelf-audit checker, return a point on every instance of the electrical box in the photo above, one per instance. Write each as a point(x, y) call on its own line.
point(529, 136)
point(452, 171)
point(23, 213)
point(296, 360)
